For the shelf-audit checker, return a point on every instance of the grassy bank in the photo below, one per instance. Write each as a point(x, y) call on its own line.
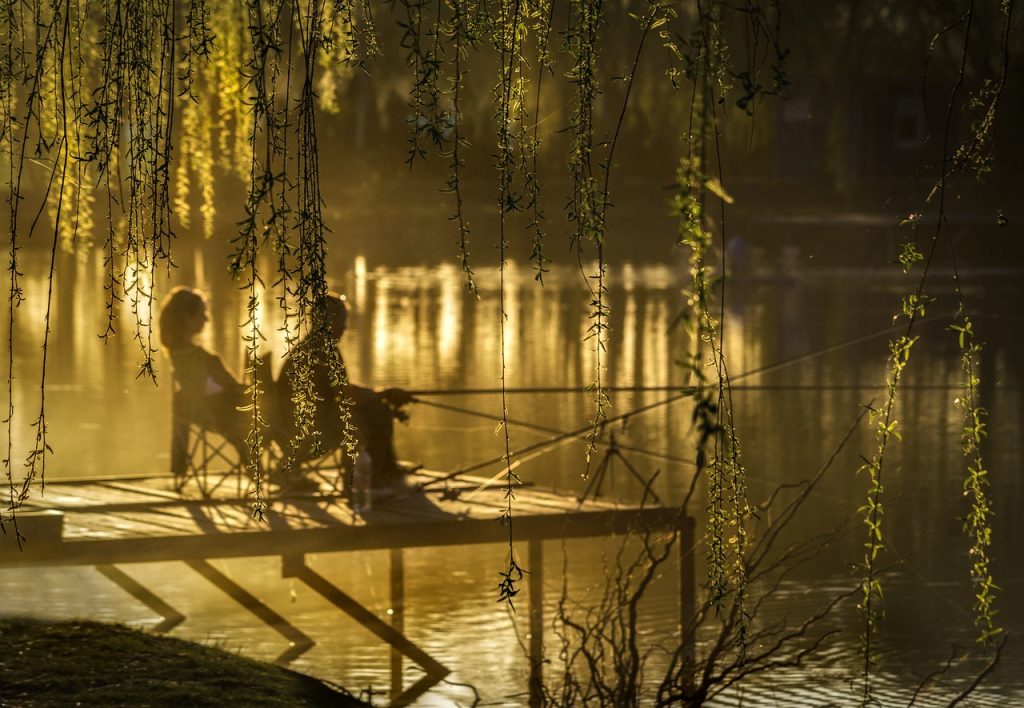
point(88, 663)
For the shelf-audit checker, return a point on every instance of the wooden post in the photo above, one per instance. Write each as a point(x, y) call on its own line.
point(397, 570)
point(535, 567)
point(686, 541)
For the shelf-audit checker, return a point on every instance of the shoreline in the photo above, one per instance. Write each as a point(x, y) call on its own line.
point(44, 662)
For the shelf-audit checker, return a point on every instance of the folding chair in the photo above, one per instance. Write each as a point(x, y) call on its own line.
point(202, 456)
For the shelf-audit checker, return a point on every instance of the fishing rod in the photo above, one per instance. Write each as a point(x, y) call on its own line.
point(683, 392)
point(557, 438)
point(690, 390)
point(553, 431)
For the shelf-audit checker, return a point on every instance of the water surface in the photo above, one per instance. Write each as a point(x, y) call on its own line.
point(806, 348)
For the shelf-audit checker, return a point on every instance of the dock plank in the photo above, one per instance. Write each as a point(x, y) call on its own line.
point(141, 519)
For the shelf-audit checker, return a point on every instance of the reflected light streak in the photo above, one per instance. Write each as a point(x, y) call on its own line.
point(272, 324)
point(394, 328)
point(380, 333)
point(513, 318)
point(449, 323)
point(588, 357)
point(423, 295)
point(628, 277)
point(199, 265)
point(87, 358)
point(269, 319)
point(740, 350)
point(626, 356)
point(485, 355)
point(359, 287)
point(657, 276)
point(139, 282)
point(542, 347)
point(30, 315)
point(656, 356)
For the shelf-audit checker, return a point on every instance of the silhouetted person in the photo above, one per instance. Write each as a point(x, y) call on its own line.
point(206, 394)
point(372, 412)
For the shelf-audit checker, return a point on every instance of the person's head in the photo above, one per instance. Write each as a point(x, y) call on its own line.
point(182, 317)
point(333, 314)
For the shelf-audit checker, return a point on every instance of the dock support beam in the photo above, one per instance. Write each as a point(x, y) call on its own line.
point(397, 572)
point(299, 643)
point(295, 567)
point(172, 618)
point(686, 541)
point(535, 567)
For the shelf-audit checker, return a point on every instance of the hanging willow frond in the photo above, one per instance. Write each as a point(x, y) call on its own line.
point(507, 37)
point(459, 33)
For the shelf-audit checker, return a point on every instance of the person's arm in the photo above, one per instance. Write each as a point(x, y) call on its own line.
point(396, 397)
point(220, 375)
point(358, 394)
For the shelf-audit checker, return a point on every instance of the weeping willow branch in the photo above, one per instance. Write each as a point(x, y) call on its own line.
point(50, 71)
point(508, 201)
point(104, 121)
point(584, 208)
point(460, 34)
point(976, 154)
point(728, 463)
point(969, 155)
point(12, 19)
point(35, 461)
point(101, 95)
point(198, 40)
point(423, 56)
point(312, 285)
point(531, 144)
point(264, 37)
point(704, 56)
point(149, 101)
point(280, 219)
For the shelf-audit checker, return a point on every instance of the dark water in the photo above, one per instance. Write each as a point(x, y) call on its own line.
point(816, 335)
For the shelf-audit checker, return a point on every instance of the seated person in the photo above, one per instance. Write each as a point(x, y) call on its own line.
point(372, 413)
point(205, 392)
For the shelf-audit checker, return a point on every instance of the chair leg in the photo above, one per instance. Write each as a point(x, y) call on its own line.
point(202, 453)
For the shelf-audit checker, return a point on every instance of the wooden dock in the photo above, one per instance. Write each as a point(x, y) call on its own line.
point(108, 523)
